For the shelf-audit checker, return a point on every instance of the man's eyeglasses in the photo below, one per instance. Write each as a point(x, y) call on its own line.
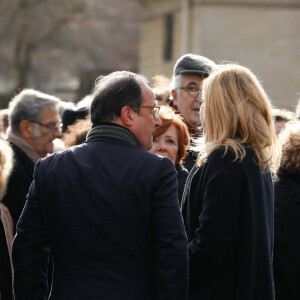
point(154, 110)
point(193, 91)
point(52, 126)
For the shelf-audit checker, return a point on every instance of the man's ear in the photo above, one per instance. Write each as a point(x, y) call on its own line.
point(127, 115)
point(174, 95)
point(26, 129)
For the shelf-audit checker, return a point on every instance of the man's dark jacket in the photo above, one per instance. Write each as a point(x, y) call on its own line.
point(18, 183)
point(109, 212)
point(229, 223)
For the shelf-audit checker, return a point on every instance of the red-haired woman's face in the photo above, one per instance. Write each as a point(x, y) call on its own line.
point(166, 144)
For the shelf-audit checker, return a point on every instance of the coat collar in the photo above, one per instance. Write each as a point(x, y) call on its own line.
point(23, 145)
point(114, 131)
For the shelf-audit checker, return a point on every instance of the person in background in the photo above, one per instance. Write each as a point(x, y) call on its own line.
point(63, 105)
point(6, 166)
point(172, 139)
point(6, 225)
point(77, 132)
point(229, 210)
point(161, 89)
point(85, 102)
point(286, 257)
point(3, 121)
point(34, 124)
point(189, 72)
point(281, 116)
point(70, 116)
point(107, 209)
point(78, 112)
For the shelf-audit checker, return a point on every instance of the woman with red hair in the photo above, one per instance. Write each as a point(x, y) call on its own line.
point(172, 139)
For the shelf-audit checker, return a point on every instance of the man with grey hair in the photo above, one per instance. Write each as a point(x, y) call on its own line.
point(189, 72)
point(107, 210)
point(34, 124)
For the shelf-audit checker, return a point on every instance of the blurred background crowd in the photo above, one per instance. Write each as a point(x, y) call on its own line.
point(61, 47)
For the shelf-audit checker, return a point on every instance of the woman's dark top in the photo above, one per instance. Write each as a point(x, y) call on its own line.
point(229, 224)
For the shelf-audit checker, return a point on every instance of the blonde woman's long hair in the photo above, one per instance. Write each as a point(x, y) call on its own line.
point(6, 165)
point(237, 112)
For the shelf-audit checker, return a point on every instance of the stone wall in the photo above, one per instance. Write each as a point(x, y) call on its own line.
point(261, 35)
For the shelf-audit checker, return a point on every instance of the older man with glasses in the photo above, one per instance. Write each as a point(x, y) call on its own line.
point(34, 124)
point(189, 72)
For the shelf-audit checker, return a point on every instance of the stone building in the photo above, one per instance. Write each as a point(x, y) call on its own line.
point(261, 35)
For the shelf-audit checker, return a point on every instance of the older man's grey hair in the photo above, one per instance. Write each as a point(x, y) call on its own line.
point(28, 105)
point(176, 83)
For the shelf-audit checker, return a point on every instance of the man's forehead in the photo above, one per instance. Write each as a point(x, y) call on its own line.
point(50, 113)
point(192, 79)
point(148, 95)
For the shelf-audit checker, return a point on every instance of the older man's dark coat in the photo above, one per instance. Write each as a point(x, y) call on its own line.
point(109, 212)
point(229, 223)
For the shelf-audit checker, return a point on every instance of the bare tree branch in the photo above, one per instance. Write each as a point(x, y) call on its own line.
point(51, 32)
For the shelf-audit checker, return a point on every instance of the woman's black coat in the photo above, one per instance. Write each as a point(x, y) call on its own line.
point(229, 224)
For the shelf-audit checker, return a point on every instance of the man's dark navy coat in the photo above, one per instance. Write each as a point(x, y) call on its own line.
point(109, 212)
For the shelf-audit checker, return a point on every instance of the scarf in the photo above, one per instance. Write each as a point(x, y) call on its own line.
point(23, 145)
point(114, 131)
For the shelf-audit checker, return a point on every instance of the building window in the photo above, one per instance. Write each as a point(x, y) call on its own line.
point(168, 40)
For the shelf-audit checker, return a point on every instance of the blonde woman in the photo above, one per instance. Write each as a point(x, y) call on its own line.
point(229, 208)
point(6, 165)
point(6, 225)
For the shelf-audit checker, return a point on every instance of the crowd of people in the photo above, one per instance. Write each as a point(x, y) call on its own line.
point(186, 190)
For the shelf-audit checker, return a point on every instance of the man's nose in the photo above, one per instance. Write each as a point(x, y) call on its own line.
point(57, 133)
point(199, 97)
point(158, 122)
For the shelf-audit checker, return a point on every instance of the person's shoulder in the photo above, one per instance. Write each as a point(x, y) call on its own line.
point(156, 158)
point(221, 153)
point(224, 159)
point(19, 154)
point(22, 164)
point(228, 154)
point(156, 163)
point(57, 156)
